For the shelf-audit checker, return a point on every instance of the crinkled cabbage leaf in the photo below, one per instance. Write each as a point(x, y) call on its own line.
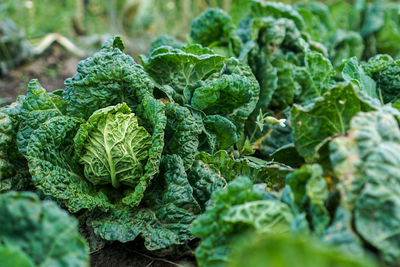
point(107, 78)
point(165, 216)
point(55, 171)
point(259, 171)
point(366, 162)
point(37, 108)
point(35, 233)
point(285, 250)
point(195, 76)
point(112, 147)
point(315, 123)
point(215, 29)
point(235, 209)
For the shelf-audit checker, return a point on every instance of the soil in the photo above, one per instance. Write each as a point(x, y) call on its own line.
point(132, 255)
point(50, 68)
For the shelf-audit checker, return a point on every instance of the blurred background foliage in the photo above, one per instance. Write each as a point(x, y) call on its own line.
point(89, 17)
point(45, 39)
point(29, 28)
point(138, 21)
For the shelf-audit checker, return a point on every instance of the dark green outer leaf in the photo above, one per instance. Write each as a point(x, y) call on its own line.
point(215, 29)
point(386, 72)
point(315, 78)
point(272, 173)
point(8, 128)
point(353, 72)
point(236, 208)
point(221, 132)
point(341, 233)
point(367, 161)
point(153, 113)
point(41, 230)
point(204, 181)
point(164, 221)
point(278, 10)
point(37, 108)
point(210, 227)
point(310, 192)
point(14, 174)
point(263, 215)
point(329, 115)
point(343, 45)
point(54, 170)
point(213, 25)
point(181, 68)
point(108, 78)
point(181, 133)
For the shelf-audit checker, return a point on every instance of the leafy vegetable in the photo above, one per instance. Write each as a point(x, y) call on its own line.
point(113, 147)
point(108, 78)
point(236, 208)
point(36, 233)
point(165, 218)
point(181, 68)
point(195, 76)
point(365, 161)
point(285, 250)
point(259, 171)
point(352, 71)
point(276, 121)
point(330, 115)
point(214, 28)
point(37, 108)
point(310, 192)
point(14, 172)
point(182, 134)
point(384, 71)
point(341, 233)
point(55, 171)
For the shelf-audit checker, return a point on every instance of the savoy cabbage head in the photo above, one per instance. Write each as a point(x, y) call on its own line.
point(215, 29)
point(197, 77)
point(113, 147)
point(107, 78)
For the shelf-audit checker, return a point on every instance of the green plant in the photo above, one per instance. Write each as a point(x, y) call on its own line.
point(256, 130)
point(36, 233)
